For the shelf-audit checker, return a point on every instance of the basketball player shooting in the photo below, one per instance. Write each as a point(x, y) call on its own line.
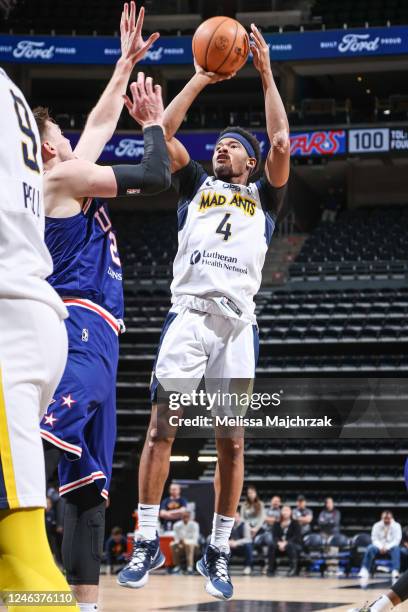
point(79, 428)
point(33, 353)
point(211, 328)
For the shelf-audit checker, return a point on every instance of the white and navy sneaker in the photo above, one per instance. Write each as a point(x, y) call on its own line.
point(214, 566)
point(146, 557)
point(365, 608)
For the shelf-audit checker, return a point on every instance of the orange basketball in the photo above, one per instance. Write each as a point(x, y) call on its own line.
point(221, 44)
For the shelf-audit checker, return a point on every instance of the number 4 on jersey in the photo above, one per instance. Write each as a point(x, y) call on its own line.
point(224, 227)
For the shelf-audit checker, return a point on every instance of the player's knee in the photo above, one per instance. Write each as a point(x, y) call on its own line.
point(159, 445)
point(157, 441)
point(231, 449)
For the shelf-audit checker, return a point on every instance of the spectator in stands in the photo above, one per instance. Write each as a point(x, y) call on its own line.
point(273, 512)
point(186, 537)
point(172, 508)
point(404, 550)
point(386, 538)
point(264, 537)
point(303, 515)
point(253, 510)
point(287, 541)
point(329, 520)
point(115, 550)
point(241, 543)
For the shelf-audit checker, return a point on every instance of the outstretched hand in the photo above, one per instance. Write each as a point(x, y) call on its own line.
point(213, 77)
point(260, 50)
point(146, 105)
point(134, 48)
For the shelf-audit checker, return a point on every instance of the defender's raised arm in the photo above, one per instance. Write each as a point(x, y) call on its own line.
point(103, 119)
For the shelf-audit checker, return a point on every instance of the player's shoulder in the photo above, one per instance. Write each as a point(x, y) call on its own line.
point(271, 197)
point(10, 95)
point(188, 180)
point(8, 86)
point(192, 169)
point(4, 76)
point(5, 80)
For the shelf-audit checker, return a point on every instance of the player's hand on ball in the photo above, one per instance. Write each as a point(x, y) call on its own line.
point(260, 50)
point(213, 77)
point(134, 48)
point(146, 106)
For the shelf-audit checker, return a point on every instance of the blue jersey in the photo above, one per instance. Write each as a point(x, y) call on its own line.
point(85, 256)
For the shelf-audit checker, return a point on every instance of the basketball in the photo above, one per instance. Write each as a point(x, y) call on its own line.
point(221, 45)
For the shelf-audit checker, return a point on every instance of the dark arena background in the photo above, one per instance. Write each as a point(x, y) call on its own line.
point(334, 297)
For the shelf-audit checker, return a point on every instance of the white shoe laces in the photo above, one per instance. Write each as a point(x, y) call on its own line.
point(138, 557)
point(221, 568)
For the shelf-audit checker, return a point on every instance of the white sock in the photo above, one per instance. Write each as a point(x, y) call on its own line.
point(382, 604)
point(221, 530)
point(148, 517)
point(88, 607)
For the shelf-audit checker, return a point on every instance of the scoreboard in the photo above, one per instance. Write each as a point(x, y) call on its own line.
point(370, 140)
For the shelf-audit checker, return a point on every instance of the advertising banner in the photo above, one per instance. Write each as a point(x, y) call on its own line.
point(319, 44)
point(128, 148)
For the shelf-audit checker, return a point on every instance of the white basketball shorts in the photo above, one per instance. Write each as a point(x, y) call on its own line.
point(33, 354)
point(194, 344)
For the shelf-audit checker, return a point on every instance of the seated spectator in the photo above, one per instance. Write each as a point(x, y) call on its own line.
point(186, 536)
point(241, 542)
point(253, 511)
point(115, 549)
point(385, 540)
point(273, 511)
point(287, 541)
point(329, 520)
point(404, 550)
point(272, 515)
point(303, 515)
point(172, 508)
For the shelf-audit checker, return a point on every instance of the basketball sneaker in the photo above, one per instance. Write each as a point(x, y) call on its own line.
point(146, 557)
point(214, 566)
point(364, 608)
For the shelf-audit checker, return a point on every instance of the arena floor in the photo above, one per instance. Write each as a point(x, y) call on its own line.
point(252, 594)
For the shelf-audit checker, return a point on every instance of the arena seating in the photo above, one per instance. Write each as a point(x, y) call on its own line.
point(359, 237)
point(179, 17)
point(43, 17)
point(363, 476)
point(355, 13)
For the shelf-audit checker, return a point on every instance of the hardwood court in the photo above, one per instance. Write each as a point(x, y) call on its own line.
point(252, 594)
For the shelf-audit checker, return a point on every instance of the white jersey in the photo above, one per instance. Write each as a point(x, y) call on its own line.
point(224, 234)
point(25, 262)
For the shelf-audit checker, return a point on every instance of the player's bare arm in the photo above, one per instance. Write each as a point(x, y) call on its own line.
point(278, 159)
point(176, 111)
point(68, 182)
point(103, 119)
